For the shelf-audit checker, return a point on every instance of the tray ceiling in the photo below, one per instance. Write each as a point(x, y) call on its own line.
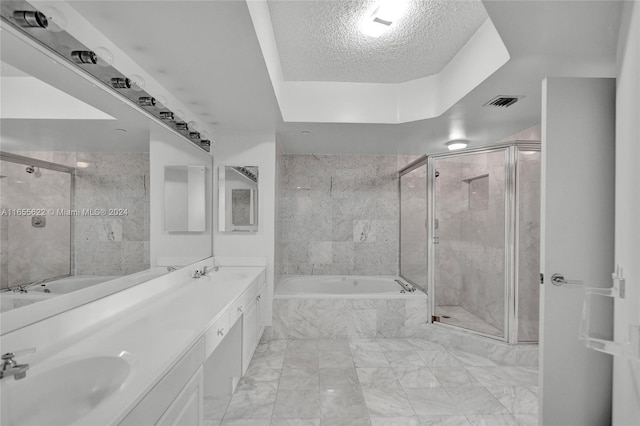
point(322, 41)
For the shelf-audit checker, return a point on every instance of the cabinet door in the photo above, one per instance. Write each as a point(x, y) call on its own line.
point(261, 298)
point(249, 334)
point(187, 408)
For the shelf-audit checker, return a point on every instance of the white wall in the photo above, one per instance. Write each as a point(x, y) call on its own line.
point(626, 373)
point(176, 248)
point(251, 151)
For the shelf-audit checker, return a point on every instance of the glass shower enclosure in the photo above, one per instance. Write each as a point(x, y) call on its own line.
point(470, 237)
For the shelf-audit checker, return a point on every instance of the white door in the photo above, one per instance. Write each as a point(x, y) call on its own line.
point(577, 227)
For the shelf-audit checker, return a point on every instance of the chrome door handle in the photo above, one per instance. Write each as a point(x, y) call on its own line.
point(559, 280)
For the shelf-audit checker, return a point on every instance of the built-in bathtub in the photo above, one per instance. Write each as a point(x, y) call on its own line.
point(43, 291)
point(69, 284)
point(357, 307)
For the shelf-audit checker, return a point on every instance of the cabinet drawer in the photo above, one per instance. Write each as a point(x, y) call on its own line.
point(243, 302)
point(216, 333)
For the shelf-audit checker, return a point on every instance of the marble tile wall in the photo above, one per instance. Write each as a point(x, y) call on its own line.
point(112, 245)
point(348, 318)
point(116, 244)
point(338, 215)
point(470, 257)
point(528, 180)
point(31, 253)
point(386, 319)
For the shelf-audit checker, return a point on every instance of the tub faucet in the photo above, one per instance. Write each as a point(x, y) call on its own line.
point(11, 368)
point(405, 287)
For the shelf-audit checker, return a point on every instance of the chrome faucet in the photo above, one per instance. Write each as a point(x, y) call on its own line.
point(11, 368)
point(405, 287)
point(171, 268)
point(20, 289)
point(204, 272)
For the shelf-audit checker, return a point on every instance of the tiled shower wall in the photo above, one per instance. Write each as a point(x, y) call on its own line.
point(469, 263)
point(338, 215)
point(104, 244)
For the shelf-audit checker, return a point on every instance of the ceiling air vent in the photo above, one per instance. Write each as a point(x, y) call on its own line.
point(503, 101)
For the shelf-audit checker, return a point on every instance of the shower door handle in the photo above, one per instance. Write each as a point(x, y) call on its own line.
point(559, 280)
point(436, 240)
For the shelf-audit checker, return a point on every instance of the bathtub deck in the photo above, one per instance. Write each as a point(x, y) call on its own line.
point(376, 382)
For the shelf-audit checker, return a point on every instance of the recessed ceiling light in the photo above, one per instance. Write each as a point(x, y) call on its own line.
point(305, 132)
point(82, 164)
point(384, 14)
point(122, 130)
point(457, 144)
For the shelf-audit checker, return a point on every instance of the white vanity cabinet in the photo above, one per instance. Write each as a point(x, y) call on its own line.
point(177, 399)
point(187, 408)
point(263, 311)
point(249, 333)
point(213, 365)
point(253, 324)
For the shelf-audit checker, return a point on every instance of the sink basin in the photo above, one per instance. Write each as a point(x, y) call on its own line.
point(62, 394)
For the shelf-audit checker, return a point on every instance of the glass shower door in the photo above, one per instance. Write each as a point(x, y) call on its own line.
point(35, 224)
point(413, 224)
point(469, 204)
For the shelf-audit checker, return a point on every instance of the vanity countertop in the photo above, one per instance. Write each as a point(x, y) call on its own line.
point(153, 335)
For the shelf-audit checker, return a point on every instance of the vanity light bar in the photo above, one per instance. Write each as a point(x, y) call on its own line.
point(27, 21)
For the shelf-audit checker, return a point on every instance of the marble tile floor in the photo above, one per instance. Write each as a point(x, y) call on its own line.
point(460, 317)
point(390, 382)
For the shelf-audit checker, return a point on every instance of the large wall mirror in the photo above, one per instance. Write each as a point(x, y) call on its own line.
point(238, 198)
point(81, 186)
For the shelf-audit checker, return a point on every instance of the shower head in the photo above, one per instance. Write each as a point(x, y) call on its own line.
point(30, 169)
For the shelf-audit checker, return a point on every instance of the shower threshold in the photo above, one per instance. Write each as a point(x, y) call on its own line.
point(460, 317)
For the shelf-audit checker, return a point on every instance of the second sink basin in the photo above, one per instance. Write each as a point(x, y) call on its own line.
point(62, 395)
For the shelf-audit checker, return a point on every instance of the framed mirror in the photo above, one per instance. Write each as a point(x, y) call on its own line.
point(238, 198)
point(81, 189)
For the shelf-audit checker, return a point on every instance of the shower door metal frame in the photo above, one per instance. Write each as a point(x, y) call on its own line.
point(511, 237)
point(415, 164)
point(28, 161)
point(514, 308)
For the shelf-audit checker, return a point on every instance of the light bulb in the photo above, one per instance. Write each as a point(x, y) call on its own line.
point(57, 21)
point(193, 125)
point(162, 100)
point(137, 82)
point(457, 144)
point(105, 57)
point(204, 134)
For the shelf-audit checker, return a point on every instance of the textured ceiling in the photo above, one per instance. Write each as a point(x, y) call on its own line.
point(321, 40)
